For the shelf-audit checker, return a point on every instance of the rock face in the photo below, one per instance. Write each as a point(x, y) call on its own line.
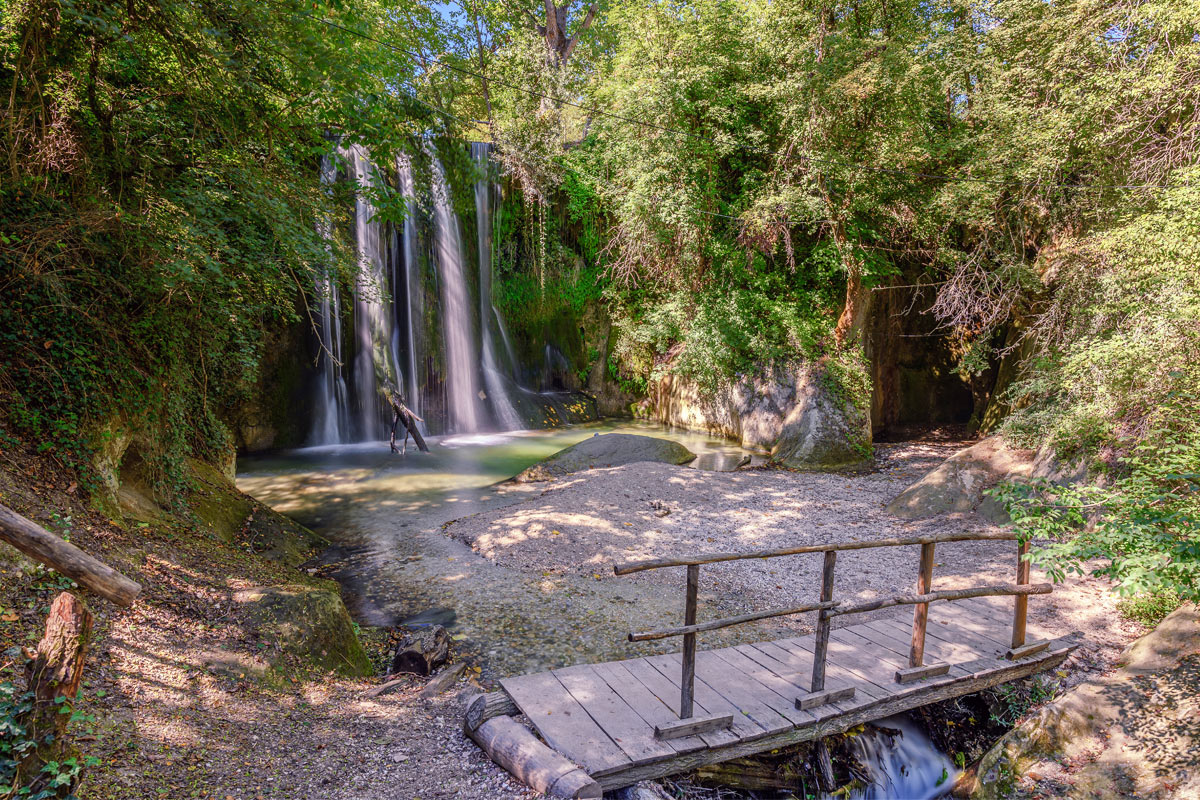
point(607, 450)
point(1132, 733)
point(958, 484)
point(789, 410)
point(309, 625)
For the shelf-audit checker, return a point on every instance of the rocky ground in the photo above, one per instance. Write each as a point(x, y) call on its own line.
point(584, 523)
point(188, 701)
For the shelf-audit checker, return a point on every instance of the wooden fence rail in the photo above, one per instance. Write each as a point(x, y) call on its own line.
point(827, 608)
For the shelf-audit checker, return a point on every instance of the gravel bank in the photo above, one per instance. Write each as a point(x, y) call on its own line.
point(583, 524)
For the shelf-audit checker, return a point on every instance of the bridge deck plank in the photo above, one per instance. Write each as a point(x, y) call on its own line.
point(602, 716)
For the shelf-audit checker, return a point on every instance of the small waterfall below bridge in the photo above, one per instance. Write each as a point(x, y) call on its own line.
point(419, 317)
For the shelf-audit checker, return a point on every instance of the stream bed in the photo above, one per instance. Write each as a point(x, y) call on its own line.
point(383, 514)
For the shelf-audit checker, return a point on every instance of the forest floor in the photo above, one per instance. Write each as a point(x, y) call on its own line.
point(174, 684)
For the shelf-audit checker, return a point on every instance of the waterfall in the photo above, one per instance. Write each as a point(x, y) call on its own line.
point(901, 762)
point(463, 400)
point(375, 365)
point(331, 401)
point(411, 282)
point(464, 379)
point(494, 379)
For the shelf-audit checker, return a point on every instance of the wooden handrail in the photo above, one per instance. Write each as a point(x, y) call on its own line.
point(1002, 590)
point(630, 567)
point(725, 622)
point(828, 609)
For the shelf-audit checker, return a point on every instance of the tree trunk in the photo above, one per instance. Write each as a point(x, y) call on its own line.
point(54, 672)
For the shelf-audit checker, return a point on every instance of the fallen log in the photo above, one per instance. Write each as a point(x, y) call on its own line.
point(402, 413)
point(483, 707)
point(444, 680)
point(39, 544)
point(422, 652)
point(514, 747)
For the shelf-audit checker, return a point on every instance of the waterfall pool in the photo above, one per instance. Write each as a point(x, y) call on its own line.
point(383, 514)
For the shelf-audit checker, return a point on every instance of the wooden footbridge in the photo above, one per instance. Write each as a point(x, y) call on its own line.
point(611, 725)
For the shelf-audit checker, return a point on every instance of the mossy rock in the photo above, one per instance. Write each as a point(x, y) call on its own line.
point(231, 517)
point(308, 625)
point(607, 450)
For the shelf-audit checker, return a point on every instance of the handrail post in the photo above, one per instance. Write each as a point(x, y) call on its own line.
point(687, 685)
point(1021, 601)
point(822, 637)
point(916, 653)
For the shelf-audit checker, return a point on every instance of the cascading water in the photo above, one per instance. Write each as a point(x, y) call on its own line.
point(466, 378)
point(412, 287)
point(375, 364)
point(463, 401)
point(332, 402)
point(494, 378)
point(901, 762)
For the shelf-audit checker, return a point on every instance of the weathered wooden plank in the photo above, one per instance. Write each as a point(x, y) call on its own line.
point(564, 723)
point(796, 671)
point(999, 609)
point(920, 673)
point(842, 662)
point(919, 695)
point(1025, 651)
point(740, 689)
point(692, 726)
point(966, 618)
point(647, 705)
point(878, 649)
point(667, 691)
point(936, 648)
point(744, 727)
point(774, 691)
point(824, 697)
point(612, 714)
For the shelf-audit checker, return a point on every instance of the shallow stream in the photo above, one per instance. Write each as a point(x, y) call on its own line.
point(384, 512)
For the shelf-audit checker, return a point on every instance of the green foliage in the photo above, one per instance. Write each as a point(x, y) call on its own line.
point(1149, 609)
point(1011, 701)
point(1142, 525)
point(54, 779)
point(160, 208)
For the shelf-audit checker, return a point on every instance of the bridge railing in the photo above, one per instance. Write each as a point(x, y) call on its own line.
point(827, 608)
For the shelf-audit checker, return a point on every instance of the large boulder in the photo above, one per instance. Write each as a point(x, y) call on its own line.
point(607, 450)
point(959, 483)
point(791, 410)
point(308, 625)
point(1130, 733)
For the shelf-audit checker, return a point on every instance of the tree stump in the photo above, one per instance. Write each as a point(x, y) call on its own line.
point(422, 652)
point(54, 672)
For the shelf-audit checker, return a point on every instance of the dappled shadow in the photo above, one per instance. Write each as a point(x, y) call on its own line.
point(1160, 716)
